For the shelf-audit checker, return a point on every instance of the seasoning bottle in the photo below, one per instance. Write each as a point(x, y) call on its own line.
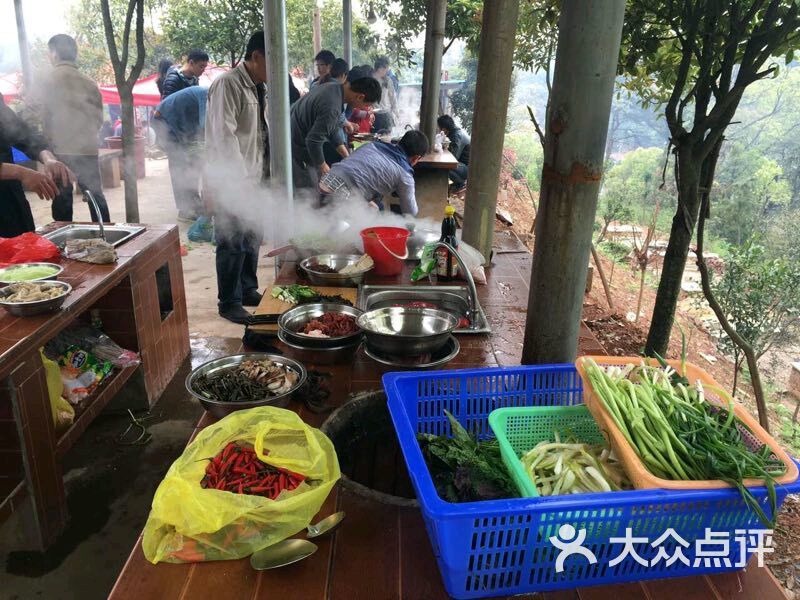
point(446, 265)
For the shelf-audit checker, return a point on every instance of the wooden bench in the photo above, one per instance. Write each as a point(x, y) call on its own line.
point(431, 178)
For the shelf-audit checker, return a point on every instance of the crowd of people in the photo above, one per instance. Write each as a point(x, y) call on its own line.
point(216, 139)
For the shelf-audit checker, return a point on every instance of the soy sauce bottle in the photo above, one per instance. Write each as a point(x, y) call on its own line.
point(446, 265)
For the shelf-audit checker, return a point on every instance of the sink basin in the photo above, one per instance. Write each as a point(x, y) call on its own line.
point(115, 234)
point(452, 298)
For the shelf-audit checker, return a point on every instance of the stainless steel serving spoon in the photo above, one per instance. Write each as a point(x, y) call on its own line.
point(294, 550)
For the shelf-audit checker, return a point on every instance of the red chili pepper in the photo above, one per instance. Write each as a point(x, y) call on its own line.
point(220, 484)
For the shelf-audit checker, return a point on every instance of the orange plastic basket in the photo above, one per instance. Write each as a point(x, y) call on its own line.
point(640, 476)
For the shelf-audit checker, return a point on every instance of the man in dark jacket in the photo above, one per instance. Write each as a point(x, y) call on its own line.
point(186, 75)
point(15, 212)
point(323, 61)
point(315, 119)
point(459, 147)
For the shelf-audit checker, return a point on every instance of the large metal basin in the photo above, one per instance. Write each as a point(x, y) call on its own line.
point(451, 298)
point(115, 234)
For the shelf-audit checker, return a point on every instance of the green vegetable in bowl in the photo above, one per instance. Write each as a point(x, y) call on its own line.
point(26, 273)
point(572, 467)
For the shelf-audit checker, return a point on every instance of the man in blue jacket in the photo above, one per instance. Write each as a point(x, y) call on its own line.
point(376, 170)
point(180, 120)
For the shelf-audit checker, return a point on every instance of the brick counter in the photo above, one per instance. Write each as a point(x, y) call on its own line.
point(141, 302)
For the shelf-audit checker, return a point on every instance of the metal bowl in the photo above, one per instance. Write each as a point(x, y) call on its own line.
point(337, 262)
point(29, 309)
point(401, 331)
point(295, 318)
point(9, 269)
point(221, 408)
point(441, 357)
point(320, 356)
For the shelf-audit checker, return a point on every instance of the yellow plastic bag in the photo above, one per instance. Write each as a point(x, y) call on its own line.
point(63, 412)
point(188, 523)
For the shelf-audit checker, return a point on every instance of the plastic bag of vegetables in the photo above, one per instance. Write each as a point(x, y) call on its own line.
point(189, 523)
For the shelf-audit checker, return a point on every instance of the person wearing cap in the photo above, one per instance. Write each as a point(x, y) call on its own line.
point(376, 170)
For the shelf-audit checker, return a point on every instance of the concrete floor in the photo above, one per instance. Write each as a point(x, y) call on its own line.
point(109, 486)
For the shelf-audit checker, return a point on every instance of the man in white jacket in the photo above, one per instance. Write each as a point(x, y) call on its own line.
point(237, 149)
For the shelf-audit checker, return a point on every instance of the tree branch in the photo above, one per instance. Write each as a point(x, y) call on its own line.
point(108, 28)
point(140, 50)
point(126, 34)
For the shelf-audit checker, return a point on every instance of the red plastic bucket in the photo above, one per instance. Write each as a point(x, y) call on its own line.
point(387, 247)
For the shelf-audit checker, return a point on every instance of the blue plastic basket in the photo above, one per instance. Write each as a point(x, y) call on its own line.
point(503, 547)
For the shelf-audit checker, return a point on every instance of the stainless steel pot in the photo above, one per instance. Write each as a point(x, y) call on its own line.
point(337, 262)
point(29, 309)
point(6, 271)
point(418, 239)
point(220, 408)
point(295, 318)
point(400, 331)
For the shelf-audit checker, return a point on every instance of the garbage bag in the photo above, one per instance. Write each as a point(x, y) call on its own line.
point(28, 247)
point(202, 230)
point(189, 524)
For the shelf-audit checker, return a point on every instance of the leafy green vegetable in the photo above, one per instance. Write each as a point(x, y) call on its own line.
point(463, 469)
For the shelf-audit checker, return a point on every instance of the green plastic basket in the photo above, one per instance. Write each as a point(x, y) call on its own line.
point(520, 429)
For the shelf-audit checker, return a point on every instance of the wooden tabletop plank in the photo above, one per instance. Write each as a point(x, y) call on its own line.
point(220, 579)
point(438, 160)
point(305, 579)
point(146, 581)
point(685, 588)
point(621, 591)
point(561, 595)
point(419, 575)
point(754, 582)
point(366, 552)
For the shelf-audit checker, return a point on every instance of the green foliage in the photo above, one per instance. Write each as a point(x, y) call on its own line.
point(748, 192)
point(463, 100)
point(85, 23)
point(528, 153)
point(760, 294)
point(617, 252)
point(631, 188)
point(222, 27)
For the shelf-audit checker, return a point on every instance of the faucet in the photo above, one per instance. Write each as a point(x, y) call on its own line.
point(98, 214)
point(472, 310)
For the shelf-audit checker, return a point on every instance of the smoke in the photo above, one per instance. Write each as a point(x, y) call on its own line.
point(266, 212)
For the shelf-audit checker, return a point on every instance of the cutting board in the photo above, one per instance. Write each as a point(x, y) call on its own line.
point(274, 306)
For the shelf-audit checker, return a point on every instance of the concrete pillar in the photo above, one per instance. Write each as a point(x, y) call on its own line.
point(347, 27)
point(24, 50)
point(580, 104)
point(495, 64)
point(280, 157)
point(432, 67)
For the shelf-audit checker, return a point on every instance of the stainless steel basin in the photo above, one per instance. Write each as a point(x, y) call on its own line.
point(115, 234)
point(452, 298)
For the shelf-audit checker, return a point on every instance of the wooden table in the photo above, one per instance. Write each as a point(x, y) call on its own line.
point(431, 178)
point(129, 298)
point(382, 552)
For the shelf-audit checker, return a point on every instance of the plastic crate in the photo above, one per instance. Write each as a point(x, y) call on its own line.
point(519, 429)
point(503, 547)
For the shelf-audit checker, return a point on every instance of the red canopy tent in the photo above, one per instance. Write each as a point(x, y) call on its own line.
point(145, 92)
point(10, 86)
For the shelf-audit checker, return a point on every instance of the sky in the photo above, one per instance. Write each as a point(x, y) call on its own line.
point(43, 19)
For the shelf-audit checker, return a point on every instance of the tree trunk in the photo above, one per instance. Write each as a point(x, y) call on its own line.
point(432, 67)
point(603, 280)
point(495, 63)
point(737, 367)
point(129, 155)
point(641, 293)
point(586, 60)
point(680, 237)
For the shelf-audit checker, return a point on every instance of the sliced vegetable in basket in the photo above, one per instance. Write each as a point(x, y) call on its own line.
point(678, 434)
point(464, 469)
point(573, 467)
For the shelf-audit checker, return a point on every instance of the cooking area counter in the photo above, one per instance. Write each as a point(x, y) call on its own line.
point(141, 304)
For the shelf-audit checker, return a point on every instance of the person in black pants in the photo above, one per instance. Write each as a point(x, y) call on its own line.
point(237, 151)
point(71, 109)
